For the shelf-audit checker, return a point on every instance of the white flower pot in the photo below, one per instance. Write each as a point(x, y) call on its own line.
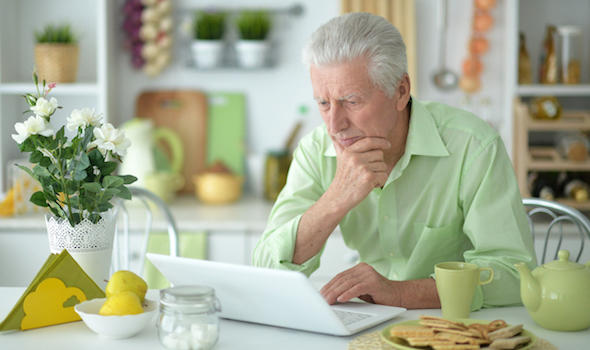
point(252, 53)
point(91, 245)
point(207, 53)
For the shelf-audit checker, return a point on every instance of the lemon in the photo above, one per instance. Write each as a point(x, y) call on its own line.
point(123, 280)
point(123, 303)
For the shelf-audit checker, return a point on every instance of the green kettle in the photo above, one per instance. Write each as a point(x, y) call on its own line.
point(556, 294)
point(140, 158)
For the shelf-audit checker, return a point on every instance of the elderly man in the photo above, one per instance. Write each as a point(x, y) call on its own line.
point(409, 183)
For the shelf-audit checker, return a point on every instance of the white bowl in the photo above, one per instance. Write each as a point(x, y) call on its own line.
point(116, 327)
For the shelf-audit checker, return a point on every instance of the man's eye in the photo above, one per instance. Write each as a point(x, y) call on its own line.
point(323, 104)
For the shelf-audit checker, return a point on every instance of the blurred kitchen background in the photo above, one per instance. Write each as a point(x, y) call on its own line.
point(239, 118)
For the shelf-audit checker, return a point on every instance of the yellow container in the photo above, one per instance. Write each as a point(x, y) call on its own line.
point(218, 188)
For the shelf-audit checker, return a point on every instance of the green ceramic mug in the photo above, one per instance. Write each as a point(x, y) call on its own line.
point(455, 283)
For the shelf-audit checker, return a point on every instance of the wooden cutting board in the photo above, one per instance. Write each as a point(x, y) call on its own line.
point(185, 112)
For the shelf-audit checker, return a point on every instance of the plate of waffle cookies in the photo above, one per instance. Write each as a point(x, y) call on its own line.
point(430, 332)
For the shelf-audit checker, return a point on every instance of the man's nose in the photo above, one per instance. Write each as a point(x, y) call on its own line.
point(336, 119)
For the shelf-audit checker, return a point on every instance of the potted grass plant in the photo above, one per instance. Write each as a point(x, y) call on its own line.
point(253, 47)
point(208, 44)
point(56, 54)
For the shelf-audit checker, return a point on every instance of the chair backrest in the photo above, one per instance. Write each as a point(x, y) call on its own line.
point(144, 202)
point(559, 214)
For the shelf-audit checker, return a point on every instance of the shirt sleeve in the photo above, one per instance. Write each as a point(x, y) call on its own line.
point(303, 188)
point(496, 224)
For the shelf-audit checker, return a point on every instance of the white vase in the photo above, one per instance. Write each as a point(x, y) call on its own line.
point(91, 245)
point(252, 53)
point(207, 53)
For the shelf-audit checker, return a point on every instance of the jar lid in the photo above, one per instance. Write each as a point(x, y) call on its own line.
point(187, 296)
point(569, 30)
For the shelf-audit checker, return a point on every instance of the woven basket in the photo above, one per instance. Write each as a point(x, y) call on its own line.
point(57, 63)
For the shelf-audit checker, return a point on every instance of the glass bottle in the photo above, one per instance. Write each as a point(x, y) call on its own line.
point(546, 108)
point(188, 318)
point(548, 73)
point(570, 45)
point(525, 75)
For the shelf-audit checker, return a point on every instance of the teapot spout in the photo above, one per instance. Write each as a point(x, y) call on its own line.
point(530, 291)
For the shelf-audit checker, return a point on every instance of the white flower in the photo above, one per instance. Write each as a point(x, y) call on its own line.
point(35, 125)
point(107, 138)
point(83, 118)
point(44, 108)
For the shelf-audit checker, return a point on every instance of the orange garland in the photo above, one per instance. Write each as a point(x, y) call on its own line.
point(478, 45)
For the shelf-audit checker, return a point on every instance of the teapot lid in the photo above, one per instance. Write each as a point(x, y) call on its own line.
point(563, 263)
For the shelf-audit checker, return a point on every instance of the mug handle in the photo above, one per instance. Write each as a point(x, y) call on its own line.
point(489, 269)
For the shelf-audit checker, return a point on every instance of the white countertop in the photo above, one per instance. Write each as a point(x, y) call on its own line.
point(247, 214)
point(241, 335)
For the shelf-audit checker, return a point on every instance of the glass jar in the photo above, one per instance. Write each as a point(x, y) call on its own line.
point(188, 317)
point(570, 47)
point(275, 173)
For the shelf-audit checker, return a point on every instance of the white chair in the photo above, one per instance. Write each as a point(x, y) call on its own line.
point(121, 246)
point(559, 214)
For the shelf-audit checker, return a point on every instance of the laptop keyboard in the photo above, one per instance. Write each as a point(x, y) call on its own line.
point(348, 317)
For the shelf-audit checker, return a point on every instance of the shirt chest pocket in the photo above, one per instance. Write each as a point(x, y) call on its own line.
point(447, 242)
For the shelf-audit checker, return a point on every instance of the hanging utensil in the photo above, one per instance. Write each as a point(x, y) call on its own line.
point(443, 78)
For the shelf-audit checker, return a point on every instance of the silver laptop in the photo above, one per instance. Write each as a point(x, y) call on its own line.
point(273, 297)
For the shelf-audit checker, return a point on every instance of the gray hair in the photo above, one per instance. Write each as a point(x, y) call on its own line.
point(353, 35)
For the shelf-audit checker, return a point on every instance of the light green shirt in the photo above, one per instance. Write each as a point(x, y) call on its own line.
point(452, 196)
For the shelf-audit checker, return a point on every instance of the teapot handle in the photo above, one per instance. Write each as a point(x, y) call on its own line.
point(175, 144)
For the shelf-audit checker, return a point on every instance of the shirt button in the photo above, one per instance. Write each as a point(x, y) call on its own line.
point(386, 217)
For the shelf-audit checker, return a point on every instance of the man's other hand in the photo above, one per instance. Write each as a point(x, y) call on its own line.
point(364, 282)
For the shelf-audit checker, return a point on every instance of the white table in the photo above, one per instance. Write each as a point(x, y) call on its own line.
point(240, 335)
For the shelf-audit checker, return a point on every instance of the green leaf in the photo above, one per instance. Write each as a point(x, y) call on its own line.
point(41, 171)
point(88, 133)
point(128, 179)
point(60, 135)
point(108, 168)
point(79, 175)
point(68, 152)
point(112, 181)
point(71, 187)
point(83, 162)
point(27, 146)
point(45, 162)
point(26, 170)
point(96, 158)
point(92, 187)
point(94, 218)
point(104, 206)
point(124, 192)
point(38, 198)
point(36, 157)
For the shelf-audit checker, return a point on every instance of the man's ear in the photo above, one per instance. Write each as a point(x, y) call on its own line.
point(403, 92)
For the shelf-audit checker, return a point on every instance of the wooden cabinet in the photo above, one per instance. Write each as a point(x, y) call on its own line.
point(530, 17)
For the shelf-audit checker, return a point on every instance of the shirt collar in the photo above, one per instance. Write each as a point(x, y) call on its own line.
point(423, 136)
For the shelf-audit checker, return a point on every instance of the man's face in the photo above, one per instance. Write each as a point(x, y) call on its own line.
point(350, 105)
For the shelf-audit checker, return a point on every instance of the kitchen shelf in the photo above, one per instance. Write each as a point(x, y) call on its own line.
point(548, 159)
point(584, 206)
point(553, 90)
point(570, 120)
point(88, 18)
point(71, 89)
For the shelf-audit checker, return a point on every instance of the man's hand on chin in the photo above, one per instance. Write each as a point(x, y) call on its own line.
point(364, 282)
point(361, 167)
